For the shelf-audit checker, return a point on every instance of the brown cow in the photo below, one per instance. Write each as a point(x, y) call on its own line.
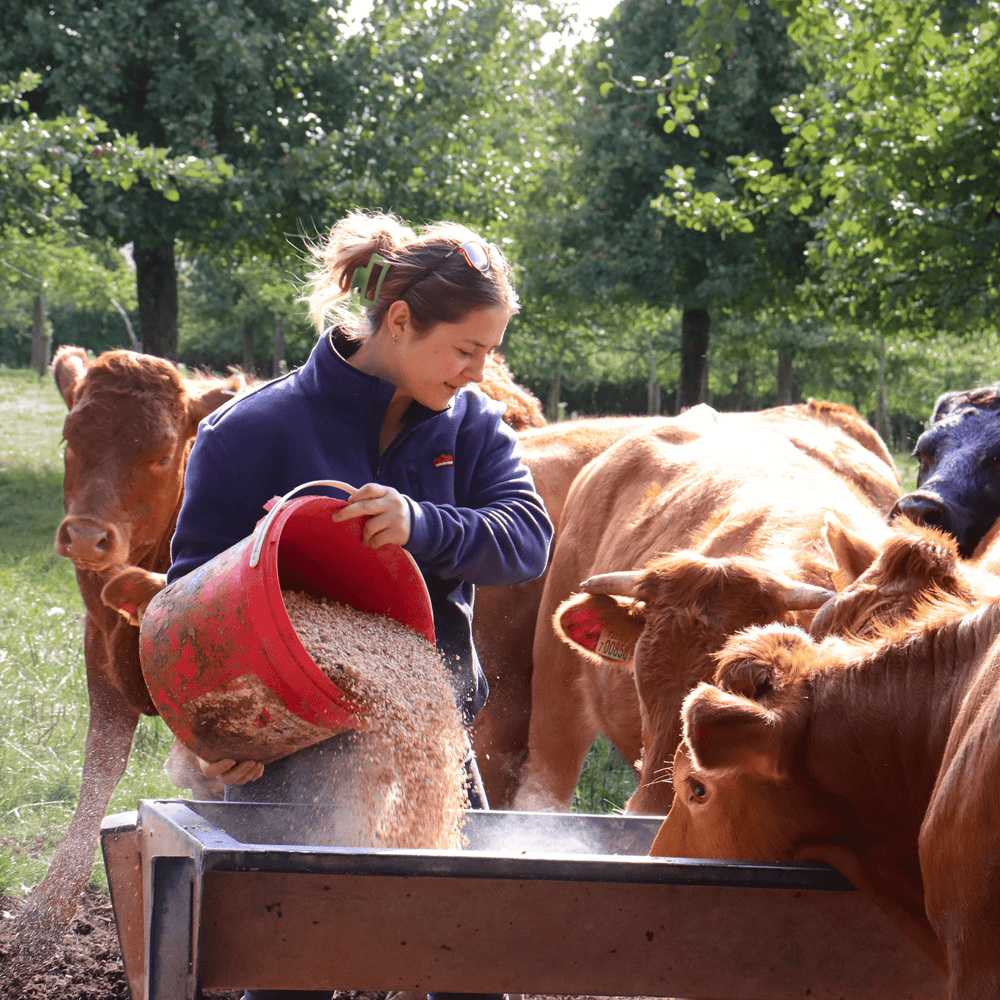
point(128, 431)
point(727, 512)
point(915, 564)
point(880, 757)
point(505, 619)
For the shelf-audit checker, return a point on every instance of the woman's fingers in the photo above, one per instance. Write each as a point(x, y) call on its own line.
point(388, 514)
point(232, 772)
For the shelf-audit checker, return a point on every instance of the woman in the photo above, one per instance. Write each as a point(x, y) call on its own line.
point(386, 402)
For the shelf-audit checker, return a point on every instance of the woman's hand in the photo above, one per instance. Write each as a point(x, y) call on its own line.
point(388, 514)
point(232, 772)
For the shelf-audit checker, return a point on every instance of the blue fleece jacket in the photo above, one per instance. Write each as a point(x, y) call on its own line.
point(475, 515)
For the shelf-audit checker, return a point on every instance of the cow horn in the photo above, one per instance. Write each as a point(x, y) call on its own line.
point(611, 583)
point(806, 597)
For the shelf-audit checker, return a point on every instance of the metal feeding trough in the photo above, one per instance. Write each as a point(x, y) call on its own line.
point(222, 896)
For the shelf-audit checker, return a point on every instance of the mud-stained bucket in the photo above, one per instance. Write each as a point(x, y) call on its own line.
point(223, 664)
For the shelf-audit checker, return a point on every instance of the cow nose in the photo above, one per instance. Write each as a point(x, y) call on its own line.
point(920, 508)
point(88, 543)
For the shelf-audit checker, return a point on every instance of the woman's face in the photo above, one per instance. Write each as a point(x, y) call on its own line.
point(431, 369)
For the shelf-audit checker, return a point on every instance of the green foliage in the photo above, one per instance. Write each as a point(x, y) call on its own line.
point(231, 91)
point(896, 141)
point(41, 152)
point(652, 122)
point(229, 305)
point(606, 781)
point(449, 114)
point(83, 284)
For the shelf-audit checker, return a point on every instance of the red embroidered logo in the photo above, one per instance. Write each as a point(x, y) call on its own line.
point(442, 460)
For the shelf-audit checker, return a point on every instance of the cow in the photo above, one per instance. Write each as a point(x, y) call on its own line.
point(915, 564)
point(505, 620)
point(524, 410)
point(879, 756)
point(958, 482)
point(683, 534)
point(130, 423)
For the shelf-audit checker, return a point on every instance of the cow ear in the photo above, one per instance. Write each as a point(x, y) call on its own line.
point(130, 591)
point(602, 625)
point(69, 366)
point(852, 553)
point(724, 730)
point(202, 403)
point(756, 662)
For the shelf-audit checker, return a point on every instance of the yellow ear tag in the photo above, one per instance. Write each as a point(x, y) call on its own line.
point(612, 645)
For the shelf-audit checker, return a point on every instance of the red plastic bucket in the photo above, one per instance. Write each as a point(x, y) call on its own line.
point(221, 659)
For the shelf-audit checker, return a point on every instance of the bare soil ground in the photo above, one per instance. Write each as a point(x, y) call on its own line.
point(85, 965)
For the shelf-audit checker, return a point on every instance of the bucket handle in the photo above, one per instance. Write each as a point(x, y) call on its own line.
point(272, 513)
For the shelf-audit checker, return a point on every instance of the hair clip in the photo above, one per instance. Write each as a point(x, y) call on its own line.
point(362, 278)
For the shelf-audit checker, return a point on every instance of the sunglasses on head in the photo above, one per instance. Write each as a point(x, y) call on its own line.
point(475, 252)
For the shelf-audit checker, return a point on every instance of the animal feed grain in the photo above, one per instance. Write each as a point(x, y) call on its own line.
point(400, 782)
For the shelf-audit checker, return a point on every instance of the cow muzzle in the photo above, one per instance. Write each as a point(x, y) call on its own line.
point(91, 544)
point(921, 508)
point(931, 511)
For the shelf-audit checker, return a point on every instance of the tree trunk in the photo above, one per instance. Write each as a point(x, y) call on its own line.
point(653, 392)
point(554, 391)
point(39, 342)
point(248, 347)
point(740, 392)
point(694, 349)
point(786, 390)
point(881, 417)
point(156, 286)
point(279, 346)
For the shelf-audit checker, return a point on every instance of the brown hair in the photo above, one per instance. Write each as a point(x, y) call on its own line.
point(444, 295)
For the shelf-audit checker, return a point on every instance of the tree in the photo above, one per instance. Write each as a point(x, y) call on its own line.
point(630, 136)
point(895, 138)
point(232, 306)
point(38, 157)
point(256, 84)
point(59, 278)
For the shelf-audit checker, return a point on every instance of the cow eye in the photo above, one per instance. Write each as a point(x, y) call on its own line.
point(698, 790)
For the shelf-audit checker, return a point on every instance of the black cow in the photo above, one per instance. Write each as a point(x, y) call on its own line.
point(958, 485)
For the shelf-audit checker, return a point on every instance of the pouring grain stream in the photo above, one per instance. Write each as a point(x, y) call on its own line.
point(401, 779)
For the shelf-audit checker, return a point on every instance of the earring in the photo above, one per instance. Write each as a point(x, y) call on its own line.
point(395, 338)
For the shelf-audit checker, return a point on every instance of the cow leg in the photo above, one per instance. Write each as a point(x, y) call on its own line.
point(563, 727)
point(52, 903)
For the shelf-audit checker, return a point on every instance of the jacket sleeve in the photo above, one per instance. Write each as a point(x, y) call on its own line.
point(216, 511)
point(503, 534)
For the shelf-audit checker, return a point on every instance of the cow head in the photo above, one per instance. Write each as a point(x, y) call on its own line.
point(740, 789)
point(958, 485)
point(666, 622)
point(915, 565)
point(128, 431)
